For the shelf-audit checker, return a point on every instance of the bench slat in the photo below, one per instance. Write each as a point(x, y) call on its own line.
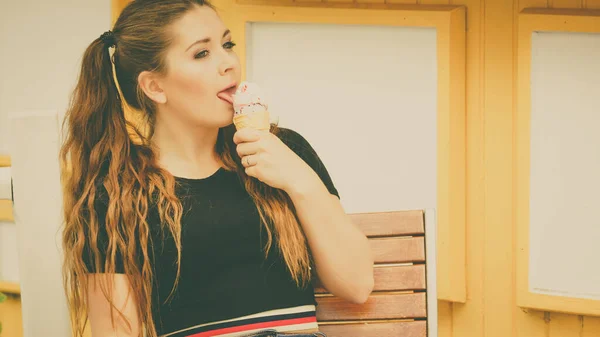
point(398, 250)
point(390, 223)
point(378, 306)
point(394, 278)
point(399, 329)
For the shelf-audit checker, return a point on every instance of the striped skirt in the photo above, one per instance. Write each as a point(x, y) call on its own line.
point(290, 322)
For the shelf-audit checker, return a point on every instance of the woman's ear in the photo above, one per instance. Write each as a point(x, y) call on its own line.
point(151, 85)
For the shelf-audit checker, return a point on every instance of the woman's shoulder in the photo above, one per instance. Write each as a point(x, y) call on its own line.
point(287, 133)
point(292, 138)
point(297, 143)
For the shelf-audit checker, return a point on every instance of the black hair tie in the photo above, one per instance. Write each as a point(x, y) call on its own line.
point(108, 38)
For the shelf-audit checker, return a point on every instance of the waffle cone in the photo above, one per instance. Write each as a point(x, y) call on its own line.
point(259, 120)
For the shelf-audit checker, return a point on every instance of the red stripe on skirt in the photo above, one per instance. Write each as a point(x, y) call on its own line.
point(254, 326)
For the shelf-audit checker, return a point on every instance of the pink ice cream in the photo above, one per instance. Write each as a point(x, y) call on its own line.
point(249, 98)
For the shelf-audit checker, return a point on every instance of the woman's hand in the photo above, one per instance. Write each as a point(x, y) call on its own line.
point(268, 159)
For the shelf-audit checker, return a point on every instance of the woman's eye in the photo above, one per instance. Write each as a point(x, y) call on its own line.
point(229, 45)
point(201, 54)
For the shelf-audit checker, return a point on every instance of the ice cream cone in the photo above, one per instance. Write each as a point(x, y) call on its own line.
point(259, 120)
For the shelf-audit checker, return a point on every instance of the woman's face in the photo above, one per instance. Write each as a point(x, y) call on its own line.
point(203, 71)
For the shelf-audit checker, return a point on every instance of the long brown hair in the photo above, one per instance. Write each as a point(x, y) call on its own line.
point(100, 154)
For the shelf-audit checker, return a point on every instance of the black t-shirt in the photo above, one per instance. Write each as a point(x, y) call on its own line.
point(224, 272)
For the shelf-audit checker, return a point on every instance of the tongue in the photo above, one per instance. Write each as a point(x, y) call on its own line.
point(226, 96)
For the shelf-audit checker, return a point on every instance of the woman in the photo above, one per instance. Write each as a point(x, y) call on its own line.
point(194, 229)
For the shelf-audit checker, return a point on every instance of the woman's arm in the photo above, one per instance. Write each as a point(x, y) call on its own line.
point(341, 251)
point(99, 307)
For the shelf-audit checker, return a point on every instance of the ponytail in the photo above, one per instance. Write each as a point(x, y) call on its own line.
point(99, 160)
point(96, 109)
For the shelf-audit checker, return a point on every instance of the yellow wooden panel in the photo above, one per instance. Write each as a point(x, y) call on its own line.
point(591, 4)
point(498, 100)
point(10, 316)
point(6, 210)
point(10, 288)
point(564, 20)
point(531, 4)
point(4, 161)
point(591, 327)
point(564, 3)
point(539, 20)
point(412, 2)
point(371, 1)
point(116, 8)
point(531, 323)
point(466, 318)
point(433, 2)
point(451, 171)
point(562, 325)
point(6, 206)
point(385, 5)
point(444, 319)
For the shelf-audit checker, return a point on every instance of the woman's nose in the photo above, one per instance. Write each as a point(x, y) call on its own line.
point(227, 64)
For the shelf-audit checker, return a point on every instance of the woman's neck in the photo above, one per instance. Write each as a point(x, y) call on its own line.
point(185, 151)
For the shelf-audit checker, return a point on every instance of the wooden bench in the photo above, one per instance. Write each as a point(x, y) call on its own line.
point(404, 300)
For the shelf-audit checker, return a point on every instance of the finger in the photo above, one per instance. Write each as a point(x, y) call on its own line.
point(247, 149)
point(250, 161)
point(251, 171)
point(246, 135)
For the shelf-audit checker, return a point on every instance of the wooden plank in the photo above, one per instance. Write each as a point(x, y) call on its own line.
point(392, 329)
point(530, 4)
point(11, 317)
point(390, 223)
point(117, 7)
point(445, 309)
point(565, 3)
point(498, 94)
point(10, 288)
point(6, 211)
point(409, 2)
point(378, 306)
point(371, 1)
point(592, 4)
point(464, 320)
point(531, 323)
point(398, 250)
point(394, 278)
point(4, 161)
point(433, 2)
point(564, 325)
point(399, 278)
point(591, 326)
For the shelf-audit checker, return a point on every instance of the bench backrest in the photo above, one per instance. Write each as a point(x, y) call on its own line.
point(404, 279)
